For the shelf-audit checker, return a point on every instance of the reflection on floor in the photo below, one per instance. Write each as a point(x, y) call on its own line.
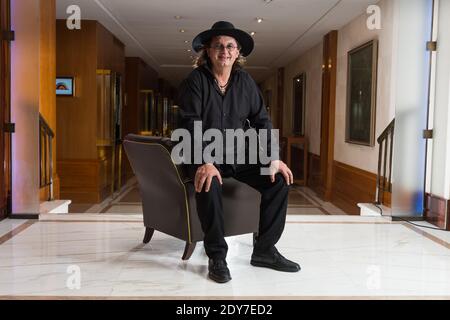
point(302, 201)
point(102, 256)
point(79, 207)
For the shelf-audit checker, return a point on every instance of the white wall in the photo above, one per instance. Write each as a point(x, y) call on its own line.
point(309, 63)
point(349, 37)
point(271, 84)
point(440, 145)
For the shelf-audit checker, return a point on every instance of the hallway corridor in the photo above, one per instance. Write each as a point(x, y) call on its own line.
point(302, 201)
point(110, 107)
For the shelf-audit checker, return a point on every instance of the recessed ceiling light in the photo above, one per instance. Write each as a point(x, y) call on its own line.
point(188, 50)
point(186, 41)
point(182, 30)
point(252, 33)
point(259, 20)
point(177, 17)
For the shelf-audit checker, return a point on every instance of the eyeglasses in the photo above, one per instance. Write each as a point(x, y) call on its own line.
point(220, 47)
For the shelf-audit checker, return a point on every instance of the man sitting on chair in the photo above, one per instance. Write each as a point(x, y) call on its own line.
point(221, 95)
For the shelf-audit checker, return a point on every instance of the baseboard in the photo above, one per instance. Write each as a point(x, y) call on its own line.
point(437, 211)
point(407, 218)
point(84, 181)
point(387, 199)
point(351, 186)
point(24, 216)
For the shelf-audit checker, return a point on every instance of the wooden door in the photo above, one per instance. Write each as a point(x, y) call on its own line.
point(5, 137)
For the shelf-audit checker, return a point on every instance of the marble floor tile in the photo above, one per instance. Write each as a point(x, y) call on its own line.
point(125, 209)
point(304, 211)
point(7, 225)
point(341, 257)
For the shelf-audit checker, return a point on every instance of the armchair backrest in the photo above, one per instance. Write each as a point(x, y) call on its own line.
point(161, 185)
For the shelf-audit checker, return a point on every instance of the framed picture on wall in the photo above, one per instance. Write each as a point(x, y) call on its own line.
point(298, 103)
point(361, 94)
point(65, 86)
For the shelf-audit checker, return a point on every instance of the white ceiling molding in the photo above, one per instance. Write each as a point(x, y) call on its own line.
point(300, 37)
point(128, 33)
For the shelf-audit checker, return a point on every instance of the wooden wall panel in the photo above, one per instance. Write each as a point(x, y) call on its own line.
point(387, 199)
point(77, 116)
point(47, 75)
point(110, 51)
point(437, 211)
point(328, 111)
point(352, 186)
point(148, 77)
point(132, 109)
point(85, 181)
point(104, 174)
point(314, 173)
point(111, 56)
point(80, 180)
point(280, 102)
point(130, 116)
point(139, 76)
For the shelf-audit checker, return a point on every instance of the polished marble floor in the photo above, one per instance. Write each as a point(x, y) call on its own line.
point(102, 256)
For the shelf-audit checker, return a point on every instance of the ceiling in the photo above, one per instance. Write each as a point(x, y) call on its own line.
point(149, 29)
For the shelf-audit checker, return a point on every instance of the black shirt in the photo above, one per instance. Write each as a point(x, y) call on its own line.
point(200, 99)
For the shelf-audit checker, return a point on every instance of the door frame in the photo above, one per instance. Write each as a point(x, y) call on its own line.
point(329, 73)
point(5, 108)
point(436, 209)
point(302, 131)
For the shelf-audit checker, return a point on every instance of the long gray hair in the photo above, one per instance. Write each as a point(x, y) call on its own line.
point(203, 57)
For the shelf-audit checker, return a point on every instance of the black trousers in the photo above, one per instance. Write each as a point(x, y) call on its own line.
point(274, 201)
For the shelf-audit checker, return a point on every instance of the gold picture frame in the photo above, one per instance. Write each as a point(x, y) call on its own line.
point(362, 94)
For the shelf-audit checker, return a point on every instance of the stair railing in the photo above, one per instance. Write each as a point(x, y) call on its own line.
point(384, 183)
point(46, 136)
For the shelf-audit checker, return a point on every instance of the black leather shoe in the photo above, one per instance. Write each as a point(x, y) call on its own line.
point(274, 261)
point(218, 270)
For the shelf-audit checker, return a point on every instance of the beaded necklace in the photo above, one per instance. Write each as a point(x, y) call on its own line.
point(223, 88)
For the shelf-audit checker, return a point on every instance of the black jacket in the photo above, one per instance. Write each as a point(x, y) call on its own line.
point(200, 99)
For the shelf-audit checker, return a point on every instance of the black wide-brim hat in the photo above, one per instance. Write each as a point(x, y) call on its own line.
point(225, 28)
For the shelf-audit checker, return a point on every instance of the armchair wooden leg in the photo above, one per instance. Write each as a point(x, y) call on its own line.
point(188, 250)
point(148, 234)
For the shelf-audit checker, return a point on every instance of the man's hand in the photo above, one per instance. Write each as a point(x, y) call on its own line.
point(204, 174)
point(278, 166)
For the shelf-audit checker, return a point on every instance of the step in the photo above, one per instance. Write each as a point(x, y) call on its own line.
point(57, 206)
point(371, 210)
point(80, 217)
